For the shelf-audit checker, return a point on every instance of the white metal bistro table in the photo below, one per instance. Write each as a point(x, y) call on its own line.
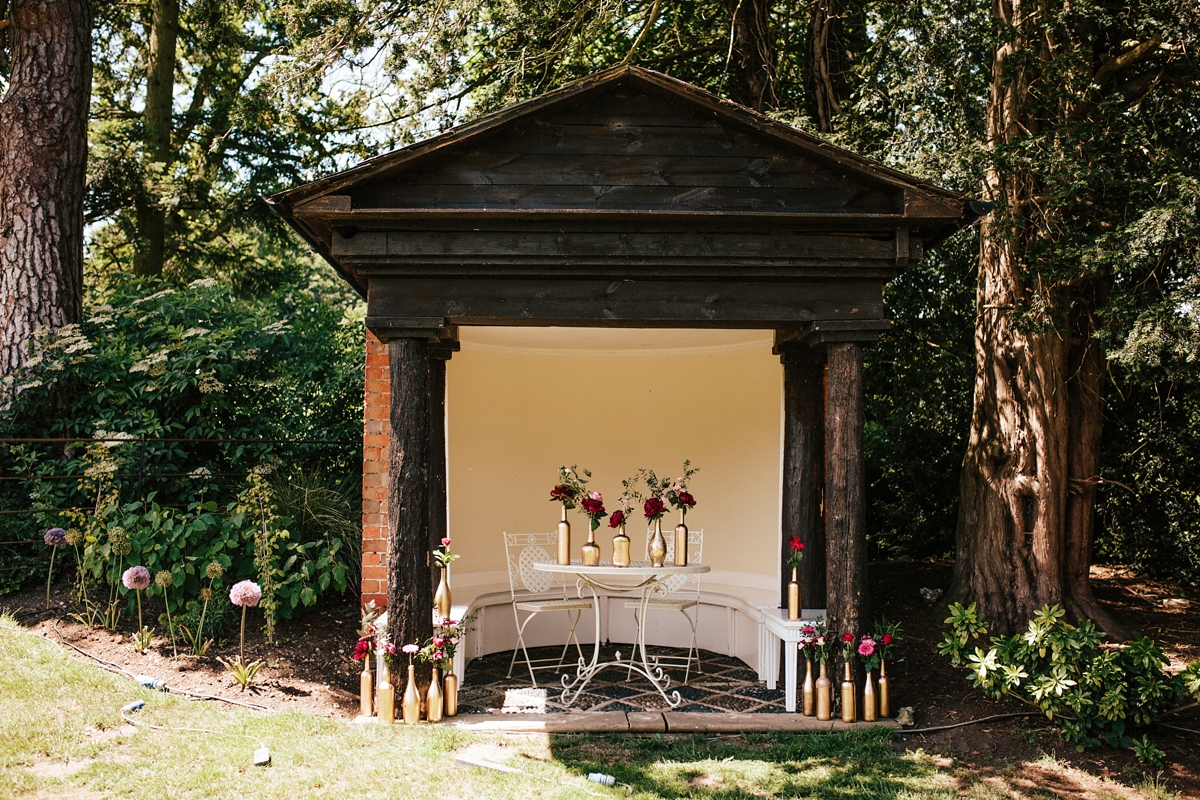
point(649, 579)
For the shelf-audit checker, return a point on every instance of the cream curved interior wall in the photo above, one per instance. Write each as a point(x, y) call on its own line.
point(523, 401)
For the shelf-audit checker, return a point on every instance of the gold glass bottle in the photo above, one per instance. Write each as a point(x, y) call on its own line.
point(387, 697)
point(823, 691)
point(442, 599)
point(366, 689)
point(433, 698)
point(621, 548)
point(451, 691)
point(885, 708)
point(564, 538)
point(681, 540)
point(849, 700)
point(590, 552)
point(656, 548)
point(869, 708)
point(794, 596)
point(810, 691)
point(410, 706)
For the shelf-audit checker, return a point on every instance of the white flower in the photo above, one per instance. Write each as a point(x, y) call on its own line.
point(279, 326)
point(102, 319)
point(203, 283)
point(33, 384)
point(80, 347)
point(190, 332)
point(102, 309)
point(200, 472)
point(154, 296)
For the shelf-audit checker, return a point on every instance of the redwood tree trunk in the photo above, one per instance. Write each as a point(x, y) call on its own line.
point(43, 156)
point(756, 82)
point(828, 62)
point(160, 97)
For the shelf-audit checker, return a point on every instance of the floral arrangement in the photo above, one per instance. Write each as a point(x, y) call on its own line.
point(814, 642)
point(365, 645)
point(570, 487)
point(244, 594)
point(666, 490)
point(439, 651)
point(443, 557)
point(797, 555)
point(654, 508)
point(677, 494)
point(630, 497)
point(886, 635)
point(848, 646)
point(593, 508)
point(868, 653)
point(136, 579)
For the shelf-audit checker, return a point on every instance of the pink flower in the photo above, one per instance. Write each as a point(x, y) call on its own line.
point(390, 648)
point(55, 537)
point(809, 629)
point(866, 648)
point(438, 655)
point(136, 578)
point(820, 641)
point(245, 594)
point(410, 649)
point(597, 496)
point(446, 542)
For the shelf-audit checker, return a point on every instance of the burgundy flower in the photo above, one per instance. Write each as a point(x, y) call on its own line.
point(809, 629)
point(562, 493)
point(616, 519)
point(362, 648)
point(653, 507)
point(686, 499)
point(593, 506)
point(847, 637)
point(390, 648)
point(887, 638)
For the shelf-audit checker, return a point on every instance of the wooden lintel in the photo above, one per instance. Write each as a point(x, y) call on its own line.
point(902, 254)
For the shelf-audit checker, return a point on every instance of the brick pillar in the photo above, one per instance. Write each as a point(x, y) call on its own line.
point(376, 410)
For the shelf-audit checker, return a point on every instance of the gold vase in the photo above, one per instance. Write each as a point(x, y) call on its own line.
point(564, 538)
point(823, 691)
point(433, 698)
point(849, 701)
point(794, 596)
point(366, 689)
point(869, 707)
point(590, 552)
point(387, 697)
point(621, 548)
point(809, 692)
point(885, 709)
point(410, 706)
point(681, 543)
point(450, 683)
point(656, 548)
point(442, 599)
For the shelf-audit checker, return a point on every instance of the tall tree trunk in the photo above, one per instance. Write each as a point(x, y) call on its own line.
point(752, 53)
point(828, 63)
point(43, 156)
point(1023, 539)
point(160, 97)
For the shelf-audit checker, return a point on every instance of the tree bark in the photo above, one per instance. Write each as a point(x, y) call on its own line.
point(160, 97)
point(410, 593)
point(804, 473)
point(43, 158)
point(437, 457)
point(845, 498)
point(828, 63)
point(752, 53)
point(1023, 538)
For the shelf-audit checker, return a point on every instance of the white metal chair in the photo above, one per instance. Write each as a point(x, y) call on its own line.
point(678, 593)
point(534, 592)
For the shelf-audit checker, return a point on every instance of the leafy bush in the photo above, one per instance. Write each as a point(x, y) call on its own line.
point(1094, 692)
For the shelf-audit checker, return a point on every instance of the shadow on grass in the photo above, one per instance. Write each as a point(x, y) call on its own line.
point(855, 764)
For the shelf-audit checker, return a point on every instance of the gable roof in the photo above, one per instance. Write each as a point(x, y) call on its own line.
point(315, 208)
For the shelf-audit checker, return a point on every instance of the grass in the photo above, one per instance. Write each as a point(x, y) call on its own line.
point(61, 735)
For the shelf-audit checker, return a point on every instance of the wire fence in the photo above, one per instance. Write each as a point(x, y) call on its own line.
point(142, 475)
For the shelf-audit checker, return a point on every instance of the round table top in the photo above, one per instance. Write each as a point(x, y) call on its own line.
point(640, 568)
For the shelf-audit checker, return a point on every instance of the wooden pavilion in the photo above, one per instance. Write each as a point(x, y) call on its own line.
point(630, 199)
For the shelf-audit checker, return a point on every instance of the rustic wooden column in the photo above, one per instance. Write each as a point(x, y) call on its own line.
point(410, 594)
point(803, 469)
point(845, 502)
point(439, 353)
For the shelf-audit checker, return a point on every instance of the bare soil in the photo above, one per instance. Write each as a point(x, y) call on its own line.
point(309, 669)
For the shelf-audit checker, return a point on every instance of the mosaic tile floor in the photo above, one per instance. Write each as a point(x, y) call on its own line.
point(726, 684)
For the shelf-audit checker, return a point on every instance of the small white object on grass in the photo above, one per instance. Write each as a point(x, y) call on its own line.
point(262, 757)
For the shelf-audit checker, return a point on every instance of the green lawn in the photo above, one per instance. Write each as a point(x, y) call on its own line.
point(61, 735)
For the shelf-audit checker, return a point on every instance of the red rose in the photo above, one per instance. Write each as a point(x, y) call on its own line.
point(887, 638)
point(653, 507)
point(847, 637)
point(616, 519)
point(686, 499)
point(796, 544)
point(362, 648)
point(593, 506)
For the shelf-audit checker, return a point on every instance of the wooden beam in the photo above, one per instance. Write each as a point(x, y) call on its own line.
point(624, 303)
point(410, 593)
point(437, 452)
point(804, 470)
point(845, 501)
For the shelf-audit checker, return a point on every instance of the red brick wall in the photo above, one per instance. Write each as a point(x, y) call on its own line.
point(376, 422)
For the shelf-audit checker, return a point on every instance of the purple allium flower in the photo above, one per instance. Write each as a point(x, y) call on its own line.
point(136, 578)
point(245, 594)
point(56, 537)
